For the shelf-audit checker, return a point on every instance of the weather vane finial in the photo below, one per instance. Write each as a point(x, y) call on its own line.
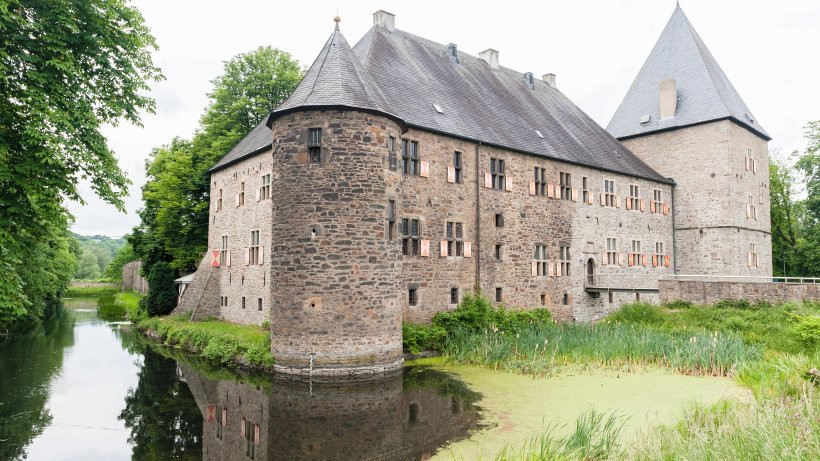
point(336, 19)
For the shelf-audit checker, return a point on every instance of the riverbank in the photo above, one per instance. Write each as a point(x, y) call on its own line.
point(242, 346)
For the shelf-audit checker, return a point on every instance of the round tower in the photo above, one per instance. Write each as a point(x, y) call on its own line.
point(335, 274)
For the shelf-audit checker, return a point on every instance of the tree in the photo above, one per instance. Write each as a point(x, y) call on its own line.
point(808, 164)
point(162, 294)
point(66, 69)
point(173, 227)
point(785, 211)
point(124, 256)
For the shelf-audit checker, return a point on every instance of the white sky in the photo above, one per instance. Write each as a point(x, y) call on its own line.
point(767, 48)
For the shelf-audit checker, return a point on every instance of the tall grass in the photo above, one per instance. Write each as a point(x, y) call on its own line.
point(595, 436)
point(85, 292)
point(539, 349)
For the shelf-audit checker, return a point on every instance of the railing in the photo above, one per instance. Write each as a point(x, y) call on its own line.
point(621, 282)
point(740, 278)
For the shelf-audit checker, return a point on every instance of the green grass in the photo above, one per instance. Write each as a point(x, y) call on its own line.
point(541, 349)
point(109, 309)
point(220, 342)
point(130, 300)
point(85, 292)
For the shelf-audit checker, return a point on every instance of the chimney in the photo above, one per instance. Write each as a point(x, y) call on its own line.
point(490, 56)
point(549, 79)
point(667, 98)
point(384, 19)
point(452, 52)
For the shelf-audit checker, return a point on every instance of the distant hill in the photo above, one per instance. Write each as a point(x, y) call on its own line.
point(96, 251)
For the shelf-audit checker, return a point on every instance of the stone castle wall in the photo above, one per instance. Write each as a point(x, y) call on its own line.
point(132, 278)
point(707, 292)
point(708, 163)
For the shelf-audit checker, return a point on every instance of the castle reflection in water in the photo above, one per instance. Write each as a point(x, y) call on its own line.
point(405, 417)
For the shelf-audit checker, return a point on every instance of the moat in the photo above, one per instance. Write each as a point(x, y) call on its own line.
point(83, 388)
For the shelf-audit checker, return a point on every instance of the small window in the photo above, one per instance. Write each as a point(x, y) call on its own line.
point(453, 295)
point(410, 236)
point(540, 258)
point(455, 239)
point(391, 220)
point(457, 166)
point(637, 296)
point(241, 193)
point(498, 173)
point(565, 181)
point(611, 251)
point(609, 192)
point(498, 252)
point(753, 255)
point(749, 160)
point(564, 260)
point(223, 252)
point(410, 157)
point(565, 299)
point(657, 201)
point(254, 251)
point(585, 189)
point(391, 153)
point(243, 302)
point(540, 177)
point(634, 197)
point(499, 220)
point(219, 200)
point(499, 295)
point(264, 191)
point(315, 145)
point(543, 300)
point(751, 209)
point(636, 255)
point(259, 304)
point(611, 298)
point(413, 413)
point(413, 296)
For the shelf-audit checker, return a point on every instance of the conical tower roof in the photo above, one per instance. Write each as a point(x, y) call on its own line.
point(703, 90)
point(336, 79)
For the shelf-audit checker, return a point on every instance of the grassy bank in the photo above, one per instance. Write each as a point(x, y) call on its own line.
point(89, 292)
point(245, 346)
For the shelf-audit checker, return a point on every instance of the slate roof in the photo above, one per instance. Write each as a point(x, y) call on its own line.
point(257, 140)
point(402, 76)
point(336, 79)
point(704, 92)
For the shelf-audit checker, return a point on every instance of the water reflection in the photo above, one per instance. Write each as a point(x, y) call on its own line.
point(406, 417)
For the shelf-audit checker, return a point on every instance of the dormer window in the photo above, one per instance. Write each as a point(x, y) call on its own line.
point(315, 145)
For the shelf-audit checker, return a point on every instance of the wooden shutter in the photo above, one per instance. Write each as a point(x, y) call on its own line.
point(617, 201)
point(261, 255)
point(424, 170)
point(754, 166)
point(643, 205)
point(211, 412)
point(247, 256)
point(755, 212)
point(603, 258)
point(645, 259)
point(749, 258)
point(550, 269)
point(508, 185)
point(558, 269)
point(258, 194)
point(237, 199)
point(488, 180)
point(574, 194)
point(468, 249)
point(589, 197)
point(451, 174)
point(215, 258)
point(651, 207)
point(620, 259)
point(603, 199)
point(550, 190)
point(242, 428)
point(666, 258)
point(631, 259)
point(443, 248)
point(256, 439)
point(228, 258)
point(532, 187)
point(629, 204)
point(425, 248)
point(224, 417)
point(748, 211)
point(534, 269)
point(665, 208)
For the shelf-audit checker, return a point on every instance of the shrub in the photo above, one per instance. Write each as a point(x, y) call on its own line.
point(807, 329)
point(162, 293)
point(417, 338)
point(678, 304)
point(733, 304)
point(476, 314)
point(639, 313)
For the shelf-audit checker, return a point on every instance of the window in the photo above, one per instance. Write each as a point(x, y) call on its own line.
point(565, 182)
point(264, 192)
point(658, 257)
point(391, 220)
point(457, 166)
point(753, 255)
point(637, 296)
point(585, 189)
point(497, 171)
point(410, 157)
point(315, 145)
point(611, 251)
point(634, 200)
point(609, 192)
point(241, 193)
point(498, 294)
point(410, 230)
point(657, 201)
point(248, 432)
point(611, 297)
point(391, 153)
point(219, 200)
point(540, 258)
point(254, 251)
point(455, 239)
point(564, 260)
point(259, 304)
point(565, 299)
point(413, 413)
point(543, 300)
point(413, 296)
point(751, 209)
point(659, 248)
point(243, 302)
point(223, 252)
point(636, 257)
point(540, 176)
point(221, 423)
point(498, 252)
point(223, 301)
point(499, 220)
point(750, 161)
point(453, 295)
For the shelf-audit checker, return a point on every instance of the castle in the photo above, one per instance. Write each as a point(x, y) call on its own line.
point(402, 173)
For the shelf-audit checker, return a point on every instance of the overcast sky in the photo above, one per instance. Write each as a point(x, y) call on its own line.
point(767, 48)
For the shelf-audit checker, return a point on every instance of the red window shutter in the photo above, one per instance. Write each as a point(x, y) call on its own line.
point(425, 248)
point(443, 248)
point(603, 199)
point(534, 268)
point(451, 174)
point(631, 259)
point(261, 255)
point(468, 249)
point(508, 185)
point(215, 256)
point(237, 199)
point(551, 190)
point(603, 258)
point(425, 169)
point(629, 204)
point(643, 205)
point(620, 259)
point(651, 207)
point(247, 256)
point(618, 201)
point(256, 440)
point(550, 269)
point(667, 260)
point(211, 412)
point(655, 260)
point(589, 198)
point(574, 194)
point(242, 428)
point(558, 270)
point(488, 180)
point(645, 259)
point(228, 258)
point(532, 187)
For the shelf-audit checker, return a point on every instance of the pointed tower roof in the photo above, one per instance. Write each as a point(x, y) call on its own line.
point(704, 92)
point(336, 79)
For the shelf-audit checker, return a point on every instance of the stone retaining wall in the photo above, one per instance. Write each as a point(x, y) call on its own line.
point(706, 292)
point(132, 279)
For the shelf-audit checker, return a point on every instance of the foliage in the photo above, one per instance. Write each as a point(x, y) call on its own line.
point(769, 429)
point(109, 309)
point(66, 69)
point(174, 221)
point(417, 338)
point(807, 330)
point(162, 294)
point(595, 437)
point(96, 253)
point(639, 313)
point(131, 302)
point(476, 313)
point(85, 292)
point(221, 342)
point(124, 255)
point(779, 374)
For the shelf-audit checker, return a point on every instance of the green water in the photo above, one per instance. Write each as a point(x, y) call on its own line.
point(81, 388)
